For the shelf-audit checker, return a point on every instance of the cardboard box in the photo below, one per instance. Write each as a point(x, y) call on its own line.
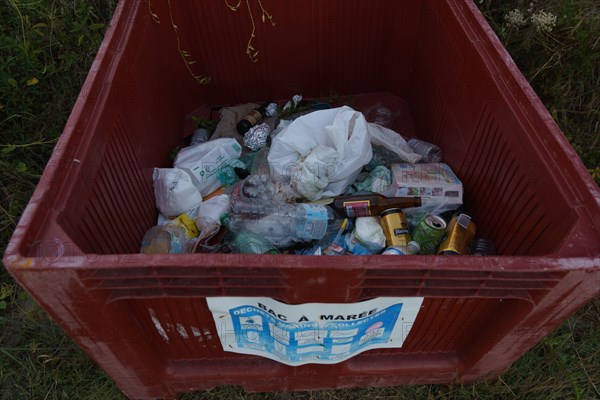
point(434, 183)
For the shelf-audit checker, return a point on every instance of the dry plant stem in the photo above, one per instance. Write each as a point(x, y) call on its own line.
point(185, 55)
point(250, 50)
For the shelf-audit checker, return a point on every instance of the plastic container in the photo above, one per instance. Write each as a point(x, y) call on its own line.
point(282, 224)
point(144, 318)
point(430, 152)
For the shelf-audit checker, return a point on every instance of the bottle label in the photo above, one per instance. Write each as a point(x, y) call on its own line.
point(394, 251)
point(334, 249)
point(401, 231)
point(356, 209)
point(253, 117)
point(314, 224)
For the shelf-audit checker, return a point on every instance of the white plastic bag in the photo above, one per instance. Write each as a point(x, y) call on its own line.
point(321, 152)
point(174, 191)
point(391, 140)
point(209, 215)
point(367, 237)
point(204, 160)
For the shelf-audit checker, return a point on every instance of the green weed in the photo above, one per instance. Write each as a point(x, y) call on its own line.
point(46, 48)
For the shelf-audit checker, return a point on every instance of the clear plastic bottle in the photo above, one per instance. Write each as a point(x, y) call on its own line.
point(254, 187)
point(246, 242)
point(260, 187)
point(200, 135)
point(282, 224)
point(332, 243)
point(383, 117)
point(430, 152)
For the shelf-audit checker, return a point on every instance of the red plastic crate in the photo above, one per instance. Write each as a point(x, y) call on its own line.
point(438, 63)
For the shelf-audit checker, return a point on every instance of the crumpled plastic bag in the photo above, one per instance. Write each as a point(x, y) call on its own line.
point(391, 140)
point(174, 191)
point(377, 181)
point(210, 213)
point(367, 237)
point(204, 161)
point(414, 215)
point(321, 152)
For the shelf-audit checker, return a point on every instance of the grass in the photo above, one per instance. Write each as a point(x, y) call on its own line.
point(563, 65)
point(46, 48)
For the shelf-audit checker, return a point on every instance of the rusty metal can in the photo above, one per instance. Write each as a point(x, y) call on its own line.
point(429, 232)
point(459, 235)
point(395, 227)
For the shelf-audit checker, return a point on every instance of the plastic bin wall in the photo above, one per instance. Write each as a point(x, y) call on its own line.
point(74, 248)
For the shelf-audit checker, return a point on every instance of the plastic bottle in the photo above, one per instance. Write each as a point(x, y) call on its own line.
point(251, 119)
point(383, 117)
point(247, 242)
point(332, 243)
point(261, 187)
point(430, 152)
point(200, 135)
point(372, 204)
point(257, 187)
point(282, 224)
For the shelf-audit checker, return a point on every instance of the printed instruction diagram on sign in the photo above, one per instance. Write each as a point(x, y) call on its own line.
point(314, 332)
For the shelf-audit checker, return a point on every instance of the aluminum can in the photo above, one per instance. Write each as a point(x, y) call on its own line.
point(459, 235)
point(395, 227)
point(429, 232)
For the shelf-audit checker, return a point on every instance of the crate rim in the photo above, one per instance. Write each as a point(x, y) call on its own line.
point(93, 94)
point(16, 261)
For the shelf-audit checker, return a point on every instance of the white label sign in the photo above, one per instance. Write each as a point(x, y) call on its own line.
point(313, 332)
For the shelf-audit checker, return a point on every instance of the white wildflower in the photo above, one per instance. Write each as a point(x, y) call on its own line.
point(543, 21)
point(530, 9)
point(515, 19)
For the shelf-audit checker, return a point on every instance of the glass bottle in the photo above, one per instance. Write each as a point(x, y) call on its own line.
point(372, 204)
point(252, 118)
